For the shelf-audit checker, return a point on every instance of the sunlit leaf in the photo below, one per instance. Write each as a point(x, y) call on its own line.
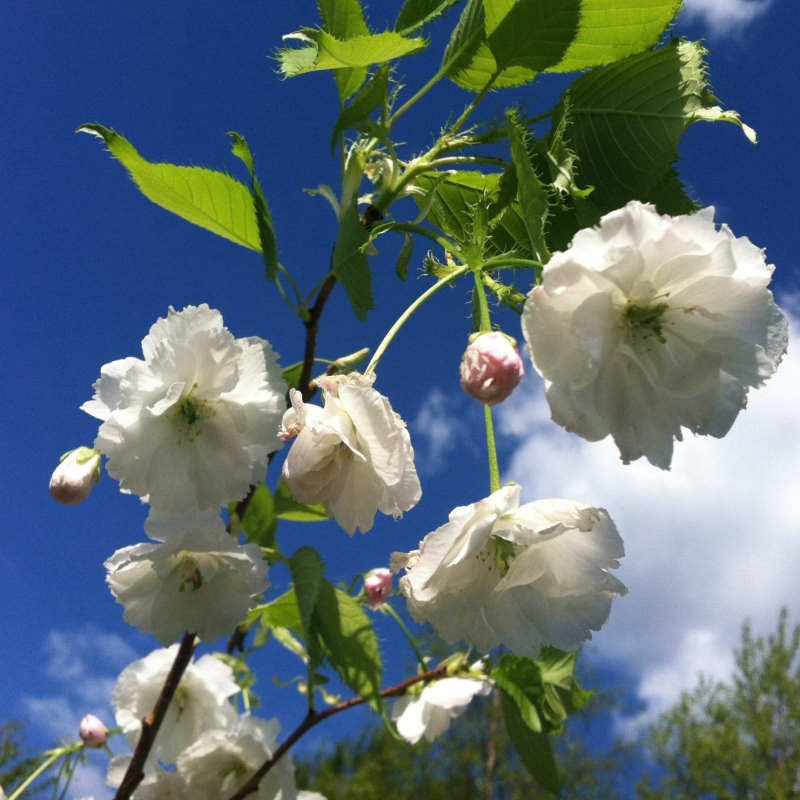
point(213, 200)
point(371, 96)
point(350, 264)
point(306, 568)
point(416, 13)
point(345, 19)
point(259, 520)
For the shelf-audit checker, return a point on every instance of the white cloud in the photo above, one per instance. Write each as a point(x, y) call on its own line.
point(438, 429)
point(712, 542)
point(725, 16)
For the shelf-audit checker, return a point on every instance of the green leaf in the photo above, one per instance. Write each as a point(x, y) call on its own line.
point(345, 19)
point(626, 119)
point(533, 34)
point(286, 507)
point(349, 642)
point(521, 682)
point(403, 259)
point(306, 568)
point(469, 62)
point(292, 374)
point(372, 95)
point(213, 200)
point(350, 264)
point(332, 53)
point(416, 13)
point(282, 612)
point(534, 748)
point(610, 31)
point(532, 194)
point(266, 227)
point(260, 521)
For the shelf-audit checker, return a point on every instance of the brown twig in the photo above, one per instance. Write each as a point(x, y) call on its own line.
point(313, 718)
point(152, 722)
point(312, 328)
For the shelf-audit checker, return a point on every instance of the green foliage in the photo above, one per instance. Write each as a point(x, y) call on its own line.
point(260, 521)
point(350, 264)
point(624, 122)
point(213, 200)
point(344, 19)
point(16, 763)
point(739, 739)
point(286, 507)
point(266, 227)
point(417, 13)
point(372, 95)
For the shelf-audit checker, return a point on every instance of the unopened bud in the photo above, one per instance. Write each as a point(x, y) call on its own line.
point(73, 479)
point(92, 731)
point(378, 586)
point(491, 368)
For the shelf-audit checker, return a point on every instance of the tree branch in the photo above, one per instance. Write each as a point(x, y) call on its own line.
point(152, 722)
point(313, 718)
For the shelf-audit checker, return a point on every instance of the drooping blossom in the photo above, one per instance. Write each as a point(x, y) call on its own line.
point(429, 713)
point(200, 581)
point(353, 455)
point(190, 426)
point(221, 760)
point(75, 476)
point(201, 701)
point(521, 576)
point(491, 368)
point(649, 324)
point(378, 586)
point(92, 731)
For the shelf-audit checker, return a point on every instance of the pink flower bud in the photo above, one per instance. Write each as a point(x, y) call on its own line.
point(491, 368)
point(73, 479)
point(92, 731)
point(378, 586)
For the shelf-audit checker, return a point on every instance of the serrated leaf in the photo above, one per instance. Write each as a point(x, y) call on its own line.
point(306, 568)
point(259, 521)
point(292, 374)
point(534, 748)
point(345, 19)
point(371, 96)
point(333, 53)
point(533, 34)
point(521, 682)
point(350, 264)
point(282, 612)
point(349, 642)
point(266, 227)
point(610, 31)
point(286, 507)
point(207, 198)
point(532, 194)
point(416, 13)
point(626, 120)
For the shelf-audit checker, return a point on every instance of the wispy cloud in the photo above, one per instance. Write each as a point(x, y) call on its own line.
point(438, 429)
point(710, 543)
point(725, 16)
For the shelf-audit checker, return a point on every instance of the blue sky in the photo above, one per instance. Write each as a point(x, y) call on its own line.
point(90, 265)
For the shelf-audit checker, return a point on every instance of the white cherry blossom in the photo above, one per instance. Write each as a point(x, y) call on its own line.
point(200, 581)
point(201, 701)
point(190, 426)
point(648, 324)
point(521, 576)
point(221, 760)
point(353, 455)
point(429, 713)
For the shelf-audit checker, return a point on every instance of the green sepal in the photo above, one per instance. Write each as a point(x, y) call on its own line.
point(207, 198)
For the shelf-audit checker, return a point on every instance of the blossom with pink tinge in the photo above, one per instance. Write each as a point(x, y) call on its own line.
point(378, 586)
point(92, 731)
point(491, 368)
point(73, 479)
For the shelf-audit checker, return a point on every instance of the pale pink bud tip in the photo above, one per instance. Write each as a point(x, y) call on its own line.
point(73, 479)
point(92, 731)
point(491, 368)
point(378, 586)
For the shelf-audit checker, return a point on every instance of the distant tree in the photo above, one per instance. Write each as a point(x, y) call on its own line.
point(738, 741)
point(474, 760)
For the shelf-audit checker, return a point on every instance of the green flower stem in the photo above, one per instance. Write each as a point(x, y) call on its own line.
point(51, 756)
point(474, 103)
point(511, 262)
point(491, 449)
point(486, 326)
point(420, 93)
point(411, 227)
point(404, 317)
point(387, 608)
point(447, 161)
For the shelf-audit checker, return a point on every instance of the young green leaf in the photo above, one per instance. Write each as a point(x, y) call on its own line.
point(417, 13)
point(213, 200)
point(626, 120)
point(260, 521)
point(306, 568)
point(403, 259)
point(345, 19)
point(349, 642)
point(371, 96)
point(534, 748)
point(266, 227)
point(350, 264)
point(286, 507)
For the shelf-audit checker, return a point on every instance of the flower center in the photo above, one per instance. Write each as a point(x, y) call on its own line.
point(189, 413)
point(189, 576)
point(644, 321)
